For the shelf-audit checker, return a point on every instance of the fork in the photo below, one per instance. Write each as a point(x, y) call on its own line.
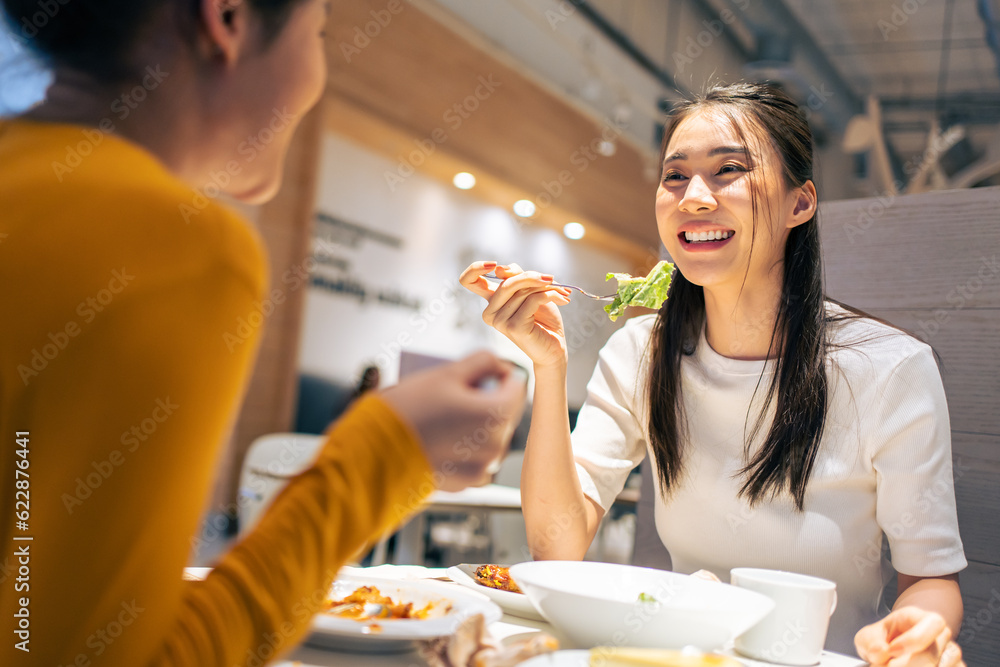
point(607, 297)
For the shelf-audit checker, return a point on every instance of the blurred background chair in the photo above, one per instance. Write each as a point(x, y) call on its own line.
point(270, 462)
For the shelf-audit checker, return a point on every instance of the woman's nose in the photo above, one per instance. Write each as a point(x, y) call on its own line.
point(697, 196)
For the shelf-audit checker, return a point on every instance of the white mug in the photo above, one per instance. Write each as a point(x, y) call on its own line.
point(795, 630)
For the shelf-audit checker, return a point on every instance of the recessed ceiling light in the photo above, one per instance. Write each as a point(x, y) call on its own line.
point(464, 180)
point(524, 208)
point(607, 148)
point(574, 230)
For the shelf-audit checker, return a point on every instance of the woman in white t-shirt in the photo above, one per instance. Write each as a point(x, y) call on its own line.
point(861, 445)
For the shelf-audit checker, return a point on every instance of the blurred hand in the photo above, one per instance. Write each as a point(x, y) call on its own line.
point(909, 637)
point(524, 308)
point(464, 428)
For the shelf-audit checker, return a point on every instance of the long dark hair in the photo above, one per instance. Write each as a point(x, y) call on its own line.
point(797, 388)
point(96, 36)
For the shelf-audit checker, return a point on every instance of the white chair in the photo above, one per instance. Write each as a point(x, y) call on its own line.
point(270, 462)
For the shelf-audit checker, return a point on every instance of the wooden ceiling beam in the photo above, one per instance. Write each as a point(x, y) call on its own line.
point(410, 88)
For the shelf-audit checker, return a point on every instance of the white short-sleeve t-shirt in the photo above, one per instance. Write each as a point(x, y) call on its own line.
point(884, 465)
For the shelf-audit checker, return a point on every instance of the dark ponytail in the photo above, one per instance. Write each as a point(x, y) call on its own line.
point(97, 36)
point(798, 388)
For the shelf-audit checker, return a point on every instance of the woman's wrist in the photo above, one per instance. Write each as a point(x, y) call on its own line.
point(551, 369)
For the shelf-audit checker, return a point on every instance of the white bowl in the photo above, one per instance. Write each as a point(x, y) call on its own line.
point(597, 604)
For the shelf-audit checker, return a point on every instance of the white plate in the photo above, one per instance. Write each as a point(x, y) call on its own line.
point(559, 659)
point(515, 604)
point(580, 659)
point(379, 636)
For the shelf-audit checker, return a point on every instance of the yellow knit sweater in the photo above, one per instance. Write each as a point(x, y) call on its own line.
point(121, 369)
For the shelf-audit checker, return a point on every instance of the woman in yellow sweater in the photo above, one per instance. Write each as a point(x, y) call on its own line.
point(117, 386)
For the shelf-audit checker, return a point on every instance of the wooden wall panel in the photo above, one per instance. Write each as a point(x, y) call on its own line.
point(980, 635)
point(928, 263)
point(937, 250)
point(968, 345)
point(977, 471)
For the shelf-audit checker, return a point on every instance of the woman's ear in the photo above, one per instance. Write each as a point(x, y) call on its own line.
point(226, 27)
point(805, 204)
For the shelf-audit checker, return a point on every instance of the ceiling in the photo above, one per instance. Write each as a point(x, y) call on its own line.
point(929, 63)
point(573, 68)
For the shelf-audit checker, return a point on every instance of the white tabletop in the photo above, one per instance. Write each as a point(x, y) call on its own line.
point(503, 630)
point(491, 496)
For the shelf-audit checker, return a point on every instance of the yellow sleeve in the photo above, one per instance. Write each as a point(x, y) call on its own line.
point(126, 424)
point(260, 598)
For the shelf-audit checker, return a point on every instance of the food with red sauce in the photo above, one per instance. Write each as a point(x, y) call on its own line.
point(496, 576)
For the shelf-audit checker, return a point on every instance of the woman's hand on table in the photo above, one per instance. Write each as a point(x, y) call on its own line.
point(909, 637)
point(524, 308)
point(706, 575)
point(464, 428)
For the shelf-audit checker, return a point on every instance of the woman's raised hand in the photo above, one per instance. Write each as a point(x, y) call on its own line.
point(909, 637)
point(464, 428)
point(524, 308)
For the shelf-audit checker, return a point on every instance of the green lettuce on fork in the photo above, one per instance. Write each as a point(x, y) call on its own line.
point(648, 292)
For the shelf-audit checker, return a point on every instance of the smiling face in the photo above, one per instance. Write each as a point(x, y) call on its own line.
point(705, 203)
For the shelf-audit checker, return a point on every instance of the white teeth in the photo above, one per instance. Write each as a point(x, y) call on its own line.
point(696, 237)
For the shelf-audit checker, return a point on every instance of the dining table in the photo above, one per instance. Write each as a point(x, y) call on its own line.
point(509, 628)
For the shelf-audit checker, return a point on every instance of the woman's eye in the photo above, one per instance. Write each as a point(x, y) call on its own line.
point(673, 176)
point(731, 168)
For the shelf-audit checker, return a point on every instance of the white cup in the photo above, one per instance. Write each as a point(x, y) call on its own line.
point(795, 630)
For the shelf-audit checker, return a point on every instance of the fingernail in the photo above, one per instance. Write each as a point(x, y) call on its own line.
point(547, 278)
point(489, 265)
